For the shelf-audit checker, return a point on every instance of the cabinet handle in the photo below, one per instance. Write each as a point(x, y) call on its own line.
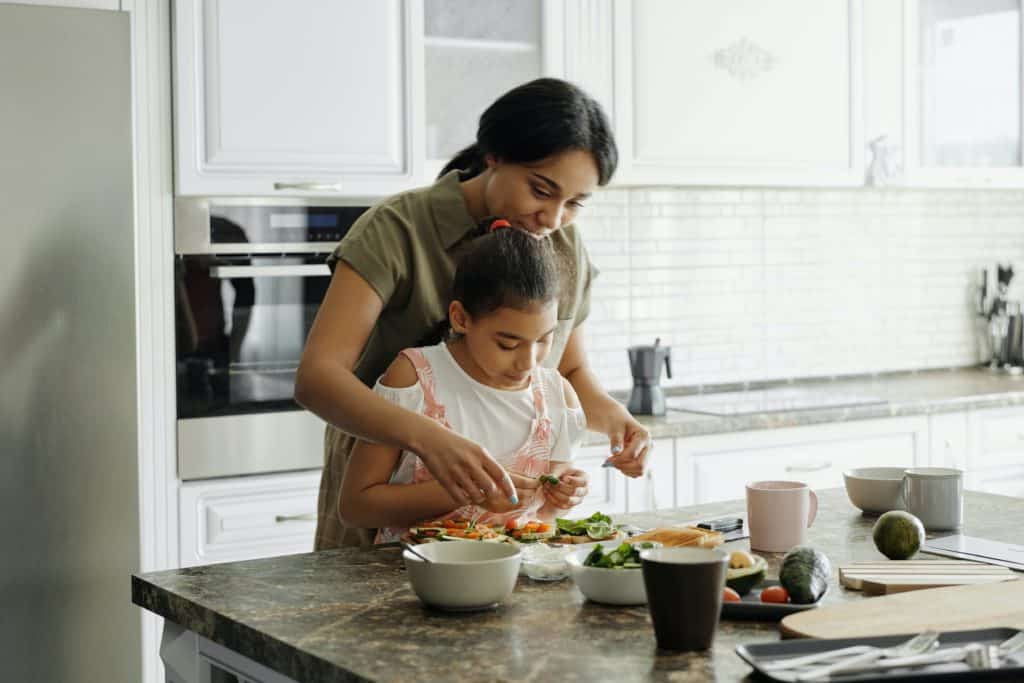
point(309, 187)
point(808, 468)
point(306, 517)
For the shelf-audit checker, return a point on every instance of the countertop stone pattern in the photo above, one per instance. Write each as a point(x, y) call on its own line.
point(346, 615)
point(910, 393)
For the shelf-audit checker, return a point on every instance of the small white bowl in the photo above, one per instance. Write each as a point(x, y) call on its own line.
point(543, 562)
point(463, 576)
point(608, 586)
point(875, 490)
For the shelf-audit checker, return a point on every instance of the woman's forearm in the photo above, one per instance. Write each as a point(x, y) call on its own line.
point(387, 505)
point(597, 405)
point(336, 395)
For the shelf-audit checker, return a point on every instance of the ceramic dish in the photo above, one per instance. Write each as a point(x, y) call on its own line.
point(751, 607)
point(875, 490)
point(607, 586)
point(463, 576)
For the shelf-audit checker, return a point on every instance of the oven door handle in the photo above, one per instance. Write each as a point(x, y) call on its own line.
point(305, 270)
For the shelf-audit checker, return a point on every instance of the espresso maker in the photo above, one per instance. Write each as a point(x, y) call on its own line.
point(647, 396)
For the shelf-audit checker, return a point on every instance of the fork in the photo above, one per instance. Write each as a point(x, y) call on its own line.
point(917, 645)
point(977, 655)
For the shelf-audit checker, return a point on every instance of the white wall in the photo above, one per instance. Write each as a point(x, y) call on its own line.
point(749, 284)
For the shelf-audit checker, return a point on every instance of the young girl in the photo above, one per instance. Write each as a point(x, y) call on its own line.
point(486, 382)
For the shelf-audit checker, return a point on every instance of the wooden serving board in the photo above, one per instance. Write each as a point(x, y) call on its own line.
point(885, 577)
point(956, 608)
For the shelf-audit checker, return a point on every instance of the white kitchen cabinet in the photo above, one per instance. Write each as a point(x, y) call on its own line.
point(607, 484)
point(997, 438)
point(276, 97)
point(963, 93)
point(718, 467)
point(744, 93)
point(656, 488)
point(242, 518)
point(949, 439)
point(474, 53)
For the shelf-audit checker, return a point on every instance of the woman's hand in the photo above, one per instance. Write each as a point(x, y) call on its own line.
point(526, 489)
point(629, 440)
point(465, 469)
point(572, 487)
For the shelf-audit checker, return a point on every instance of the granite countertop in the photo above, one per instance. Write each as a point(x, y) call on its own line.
point(349, 614)
point(905, 393)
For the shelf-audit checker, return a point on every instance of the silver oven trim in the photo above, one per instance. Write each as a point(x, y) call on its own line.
point(192, 224)
point(305, 270)
point(257, 443)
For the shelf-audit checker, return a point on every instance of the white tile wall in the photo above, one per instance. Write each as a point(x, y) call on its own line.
point(772, 284)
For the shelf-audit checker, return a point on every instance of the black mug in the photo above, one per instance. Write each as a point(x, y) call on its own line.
point(684, 594)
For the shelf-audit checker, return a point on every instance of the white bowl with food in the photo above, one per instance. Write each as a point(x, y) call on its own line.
point(621, 583)
point(875, 490)
point(463, 576)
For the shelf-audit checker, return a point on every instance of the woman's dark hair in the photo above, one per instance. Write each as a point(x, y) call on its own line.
point(504, 268)
point(537, 120)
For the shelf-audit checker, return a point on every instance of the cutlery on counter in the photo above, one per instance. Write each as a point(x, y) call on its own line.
point(917, 645)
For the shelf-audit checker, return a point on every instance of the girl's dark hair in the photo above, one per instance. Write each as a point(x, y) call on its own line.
point(507, 267)
point(537, 120)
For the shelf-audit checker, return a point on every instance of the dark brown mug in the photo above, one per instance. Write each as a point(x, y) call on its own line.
point(684, 594)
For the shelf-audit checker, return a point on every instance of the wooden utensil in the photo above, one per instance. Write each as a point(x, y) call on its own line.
point(885, 577)
point(956, 608)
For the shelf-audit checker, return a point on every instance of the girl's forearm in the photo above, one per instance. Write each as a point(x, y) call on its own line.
point(388, 505)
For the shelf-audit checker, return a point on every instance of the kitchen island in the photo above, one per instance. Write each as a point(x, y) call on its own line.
point(350, 615)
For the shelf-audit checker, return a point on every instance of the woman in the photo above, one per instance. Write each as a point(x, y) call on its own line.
point(541, 150)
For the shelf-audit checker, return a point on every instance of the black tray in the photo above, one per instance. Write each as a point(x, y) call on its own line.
point(750, 606)
point(759, 654)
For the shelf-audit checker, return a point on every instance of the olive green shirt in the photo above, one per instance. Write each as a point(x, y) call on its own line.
point(407, 248)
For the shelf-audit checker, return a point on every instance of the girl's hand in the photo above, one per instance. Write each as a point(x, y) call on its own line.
point(526, 489)
point(571, 489)
point(630, 443)
point(465, 469)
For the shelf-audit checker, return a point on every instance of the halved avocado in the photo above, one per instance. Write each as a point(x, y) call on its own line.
point(742, 579)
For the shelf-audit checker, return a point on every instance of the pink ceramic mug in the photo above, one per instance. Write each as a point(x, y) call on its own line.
point(779, 514)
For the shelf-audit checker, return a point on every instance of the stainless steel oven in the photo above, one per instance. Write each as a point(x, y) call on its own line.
point(249, 277)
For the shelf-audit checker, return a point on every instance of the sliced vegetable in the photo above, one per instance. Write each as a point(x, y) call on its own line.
point(578, 527)
point(774, 594)
point(626, 556)
point(729, 595)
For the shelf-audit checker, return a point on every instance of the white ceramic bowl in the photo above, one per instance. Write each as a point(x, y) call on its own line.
point(463, 575)
point(608, 586)
point(875, 490)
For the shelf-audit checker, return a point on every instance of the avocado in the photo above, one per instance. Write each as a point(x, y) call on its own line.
point(898, 535)
point(742, 579)
point(804, 574)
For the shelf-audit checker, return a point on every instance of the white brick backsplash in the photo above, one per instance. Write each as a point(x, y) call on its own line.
point(752, 284)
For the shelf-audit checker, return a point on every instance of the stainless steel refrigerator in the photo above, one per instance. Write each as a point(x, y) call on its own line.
point(69, 506)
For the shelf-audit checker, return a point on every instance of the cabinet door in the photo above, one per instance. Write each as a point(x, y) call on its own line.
point(285, 97)
point(752, 93)
point(997, 439)
point(224, 520)
point(715, 468)
point(607, 484)
point(472, 54)
point(963, 93)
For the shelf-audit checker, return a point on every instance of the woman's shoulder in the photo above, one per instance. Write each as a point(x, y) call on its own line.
point(400, 210)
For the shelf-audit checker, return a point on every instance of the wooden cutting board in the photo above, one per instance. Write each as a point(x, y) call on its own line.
point(885, 577)
point(987, 605)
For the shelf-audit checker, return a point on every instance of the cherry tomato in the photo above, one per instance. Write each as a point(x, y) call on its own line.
point(729, 595)
point(775, 594)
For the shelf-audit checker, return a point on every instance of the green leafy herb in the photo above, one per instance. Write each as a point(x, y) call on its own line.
point(579, 527)
point(549, 479)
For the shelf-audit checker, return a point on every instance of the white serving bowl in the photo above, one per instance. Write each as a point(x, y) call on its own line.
point(875, 490)
point(608, 586)
point(463, 575)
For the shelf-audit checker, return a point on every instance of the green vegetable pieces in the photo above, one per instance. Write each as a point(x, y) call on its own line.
point(626, 556)
point(549, 479)
point(581, 527)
